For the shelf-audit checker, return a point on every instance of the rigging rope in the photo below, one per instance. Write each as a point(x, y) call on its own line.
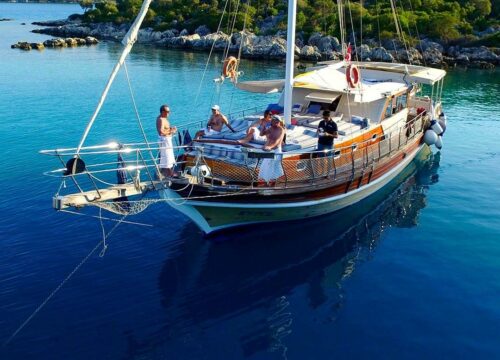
point(209, 57)
point(139, 119)
point(58, 287)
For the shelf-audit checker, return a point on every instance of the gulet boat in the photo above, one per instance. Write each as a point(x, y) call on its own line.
point(383, 118)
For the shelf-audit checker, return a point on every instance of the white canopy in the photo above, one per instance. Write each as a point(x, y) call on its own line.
point(323, 97)
point(264, 86)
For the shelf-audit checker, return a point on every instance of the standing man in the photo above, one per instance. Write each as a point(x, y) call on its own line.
point(327, 132)
point(214, 124)
point(165, 132)
point(270, 169)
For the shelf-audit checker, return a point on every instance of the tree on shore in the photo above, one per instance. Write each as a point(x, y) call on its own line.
point(445, 20)
point(86, 5)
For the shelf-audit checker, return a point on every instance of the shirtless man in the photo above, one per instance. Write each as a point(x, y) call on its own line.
point(214, 124)
point(253, 132)
point(165, 132)
point(271, 169)
point(274, 135)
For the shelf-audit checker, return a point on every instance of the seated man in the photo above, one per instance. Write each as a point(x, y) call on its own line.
point(214, 124)
point(253, 132)
point(270, 169)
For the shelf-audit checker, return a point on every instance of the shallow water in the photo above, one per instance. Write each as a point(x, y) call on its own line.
point(414, 276)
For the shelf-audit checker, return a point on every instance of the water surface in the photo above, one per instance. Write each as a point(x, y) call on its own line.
point(413, 276)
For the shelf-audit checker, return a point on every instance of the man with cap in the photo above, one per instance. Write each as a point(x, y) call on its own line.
point(327, 132)
point(214, 124)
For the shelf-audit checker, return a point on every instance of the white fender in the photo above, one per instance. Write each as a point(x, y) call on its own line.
point(430, 137)
point(439, 142)
point(436, 127)
point(442, 122)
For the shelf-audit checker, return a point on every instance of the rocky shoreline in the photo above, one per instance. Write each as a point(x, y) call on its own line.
point(55, 43)
point(317, 48)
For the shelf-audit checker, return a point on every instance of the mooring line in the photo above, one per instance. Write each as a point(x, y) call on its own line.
point(51, 295)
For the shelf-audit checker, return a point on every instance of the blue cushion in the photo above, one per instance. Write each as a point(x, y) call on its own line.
point(275, 107)
point(314, 109)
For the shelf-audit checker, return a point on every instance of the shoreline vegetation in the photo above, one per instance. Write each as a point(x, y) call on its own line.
point(438, 33)
point(318, 47)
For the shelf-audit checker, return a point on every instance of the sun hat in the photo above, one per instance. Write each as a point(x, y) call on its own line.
point(215, 107)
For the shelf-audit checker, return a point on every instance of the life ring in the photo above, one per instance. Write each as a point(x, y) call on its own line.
point(352, 75)
point(229, 67)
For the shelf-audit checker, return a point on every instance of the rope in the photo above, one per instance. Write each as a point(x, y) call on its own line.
point(209, 57)
point(139, 118)
point(418, 35)
point(66, 279)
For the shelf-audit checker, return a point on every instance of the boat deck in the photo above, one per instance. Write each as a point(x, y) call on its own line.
point(300, 137)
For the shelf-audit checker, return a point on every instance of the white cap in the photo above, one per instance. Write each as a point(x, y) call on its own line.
point(215, 107)
point(277, 117)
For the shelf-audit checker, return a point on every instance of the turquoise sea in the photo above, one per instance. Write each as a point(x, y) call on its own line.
point(413, 273)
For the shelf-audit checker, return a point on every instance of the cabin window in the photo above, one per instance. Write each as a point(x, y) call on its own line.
point(401, 102)
point(388, 109)
point(396, 104)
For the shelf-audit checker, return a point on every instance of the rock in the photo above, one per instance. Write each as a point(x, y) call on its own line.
point(491, 30)
point(24, 46)
point(23, 23)
point(331, 55)
point(184, 33)
point(411, 55)
point(202, 30)
point(381, 54)
point(314, 39)
point(71, 42)
point(37, 46)
point(462, 59)
point(6, 19)
point(433, 56)
point(364, 52)
point(309, 52)
point(428, 45)
point(50, 23)
point(89, 40)
point(481, 54)
point(327, 43)
point(277, 51)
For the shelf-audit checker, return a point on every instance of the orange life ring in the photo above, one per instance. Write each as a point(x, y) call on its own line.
point(352, 75)
point(229, 67)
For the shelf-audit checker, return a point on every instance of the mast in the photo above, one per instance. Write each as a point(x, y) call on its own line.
point(290, 53)
point(128, 40)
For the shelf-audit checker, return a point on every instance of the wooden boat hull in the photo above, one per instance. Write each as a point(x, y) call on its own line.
point(212, 216)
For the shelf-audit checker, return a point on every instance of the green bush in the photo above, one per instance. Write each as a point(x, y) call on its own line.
point(441, 19)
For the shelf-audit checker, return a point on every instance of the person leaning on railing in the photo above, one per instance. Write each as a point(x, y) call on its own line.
point(327, 132)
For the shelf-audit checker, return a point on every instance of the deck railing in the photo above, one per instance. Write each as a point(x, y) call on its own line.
point(233, 168)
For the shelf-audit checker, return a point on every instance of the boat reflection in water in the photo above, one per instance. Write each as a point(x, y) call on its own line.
point(243, 285)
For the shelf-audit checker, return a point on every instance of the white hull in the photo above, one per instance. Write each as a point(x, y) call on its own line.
point(214, 216)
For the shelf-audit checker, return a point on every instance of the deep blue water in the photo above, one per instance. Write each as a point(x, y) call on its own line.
point(414, 276)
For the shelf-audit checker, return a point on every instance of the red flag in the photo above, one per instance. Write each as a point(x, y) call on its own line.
point(348, 54)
